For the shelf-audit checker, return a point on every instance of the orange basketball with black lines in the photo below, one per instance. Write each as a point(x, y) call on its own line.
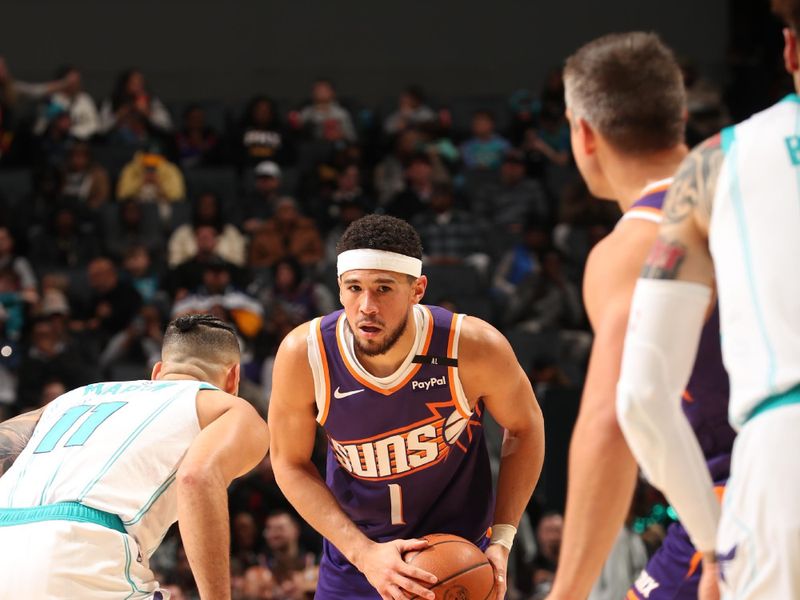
point(462, 569)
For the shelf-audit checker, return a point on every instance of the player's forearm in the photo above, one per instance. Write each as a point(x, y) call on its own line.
point(602, 478)
point(520, 467)
point(307, 492)
point(203, 522)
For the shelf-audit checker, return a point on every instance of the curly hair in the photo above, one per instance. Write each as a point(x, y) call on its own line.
point(381, 232)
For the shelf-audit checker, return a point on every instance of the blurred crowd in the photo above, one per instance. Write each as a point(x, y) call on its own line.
point(119, 215)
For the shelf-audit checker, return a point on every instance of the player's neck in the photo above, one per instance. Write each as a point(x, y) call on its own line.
point(628, 177)
point(384, 365)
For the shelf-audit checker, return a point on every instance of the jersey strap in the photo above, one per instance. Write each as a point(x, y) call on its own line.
point(61, 511)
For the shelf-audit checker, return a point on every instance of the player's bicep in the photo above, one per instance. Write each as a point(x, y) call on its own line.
point(14, 435)
point(292, 408)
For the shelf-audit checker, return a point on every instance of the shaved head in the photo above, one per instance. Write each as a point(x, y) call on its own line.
point(202, 342)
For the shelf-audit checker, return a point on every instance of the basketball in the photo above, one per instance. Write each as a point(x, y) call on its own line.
point(463, 571)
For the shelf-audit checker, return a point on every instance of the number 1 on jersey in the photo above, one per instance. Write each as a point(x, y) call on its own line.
point(396, 502)
point(99, 413)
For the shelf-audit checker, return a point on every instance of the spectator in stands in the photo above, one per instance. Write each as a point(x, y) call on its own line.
point(390, 174)
point(113, 303)
point(64, 244)
point(47, 359)
point(520, 262)
point(208, 211)
point(258, 584)
point(138, 269)
point(150, 177)
point(288, 233)
point(411, 112)
point(51, 146)
point(135, 224)
point(348, 212)
point(546, 301)
point(197, 143)
point(261, 136)
point(416, 196)
point(548, 143)
point(450, 235)
point(348, 189)
point(548, 542)
point(515, 199)
point(260, 204)
point(299, 298)
point(20, 267)
point(137, 348)
point(133, 112)
point(484, 151)
point(52, 390)
point(286, 558)
point(84, 180)
point(67, 92)
point(247, 541)
point(188, 275)
point(324, 114)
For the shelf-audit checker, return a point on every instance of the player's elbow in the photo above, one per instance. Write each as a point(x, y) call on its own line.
point(631, 406)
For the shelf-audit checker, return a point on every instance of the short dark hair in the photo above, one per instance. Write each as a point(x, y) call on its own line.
point(630, 87)
point(788, 11)
point(381, 232)
point(202, 337)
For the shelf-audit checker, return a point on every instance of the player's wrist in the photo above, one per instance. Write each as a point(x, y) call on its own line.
point(359, 550)
point(503, 535)
point(709, 557)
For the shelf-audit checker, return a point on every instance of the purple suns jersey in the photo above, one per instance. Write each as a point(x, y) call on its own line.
point(673, 572)
point(406, 455)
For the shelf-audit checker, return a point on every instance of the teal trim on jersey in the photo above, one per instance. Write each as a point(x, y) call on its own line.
point(99, 414)
point(736, 200)
point(727, 137)
point(791, 98)
point(61, 511)
point(134, 587)
point(124, 446)
point(787, 398)
point(208, 386)
point(156, 495)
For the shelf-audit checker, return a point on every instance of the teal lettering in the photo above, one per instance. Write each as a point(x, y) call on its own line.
point(93, 388)
point(114, 389)
point(793, 146)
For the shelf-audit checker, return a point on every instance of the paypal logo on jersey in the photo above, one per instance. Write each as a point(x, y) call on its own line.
point(426, 385)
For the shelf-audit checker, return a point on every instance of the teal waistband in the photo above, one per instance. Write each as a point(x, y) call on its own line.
point(791, 396)
point(62, 511)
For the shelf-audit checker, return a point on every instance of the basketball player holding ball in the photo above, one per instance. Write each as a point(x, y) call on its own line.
point(400, 389)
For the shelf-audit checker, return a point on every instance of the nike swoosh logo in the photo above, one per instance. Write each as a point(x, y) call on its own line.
point(338, 394)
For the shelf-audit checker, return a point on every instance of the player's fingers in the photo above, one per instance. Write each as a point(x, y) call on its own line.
point(500, 585)
point(416, 573)
point(395, 593)
point(409, 545)
point(411, 586)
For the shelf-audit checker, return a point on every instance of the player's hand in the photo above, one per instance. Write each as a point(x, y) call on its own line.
point(498, 556)
point(708, 588)
point(387, 572)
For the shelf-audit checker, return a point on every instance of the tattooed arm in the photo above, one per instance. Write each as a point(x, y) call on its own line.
point(14, 434)
point(681, 251)
point(669, 308)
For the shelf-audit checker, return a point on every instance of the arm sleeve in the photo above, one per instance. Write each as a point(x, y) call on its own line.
point(660, 348)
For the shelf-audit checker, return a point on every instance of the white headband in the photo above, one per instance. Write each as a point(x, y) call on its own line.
point(382, 260)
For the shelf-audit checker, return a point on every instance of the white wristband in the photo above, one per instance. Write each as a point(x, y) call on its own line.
point(504, 535)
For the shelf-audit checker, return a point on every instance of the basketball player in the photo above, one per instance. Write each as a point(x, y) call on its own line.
point(732, 218)
point(626, 105)
point(401, 390)
point(107, 468)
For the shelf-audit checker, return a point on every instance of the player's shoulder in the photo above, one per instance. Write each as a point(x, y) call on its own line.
point(296, 341)
point(621, 253)
point(480, 341)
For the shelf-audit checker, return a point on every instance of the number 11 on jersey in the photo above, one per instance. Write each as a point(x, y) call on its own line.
point(97, 414)
point(396, 502)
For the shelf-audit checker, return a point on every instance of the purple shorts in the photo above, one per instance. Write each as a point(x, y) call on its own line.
point(672, 573)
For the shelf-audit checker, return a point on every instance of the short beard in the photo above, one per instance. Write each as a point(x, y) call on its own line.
point(387, 344)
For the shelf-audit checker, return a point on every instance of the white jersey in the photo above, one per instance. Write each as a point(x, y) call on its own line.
point(755, 240)
point(115, 447)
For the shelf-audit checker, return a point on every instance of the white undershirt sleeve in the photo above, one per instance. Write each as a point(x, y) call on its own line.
point(664, 329)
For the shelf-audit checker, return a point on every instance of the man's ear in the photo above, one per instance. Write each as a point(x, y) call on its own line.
point(232, 379)
point(790, 60)
point(157, 368)
point(586, 137)
point(418, 288)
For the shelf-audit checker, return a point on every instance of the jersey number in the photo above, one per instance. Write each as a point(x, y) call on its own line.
point(97, 414)
point(396, 502)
